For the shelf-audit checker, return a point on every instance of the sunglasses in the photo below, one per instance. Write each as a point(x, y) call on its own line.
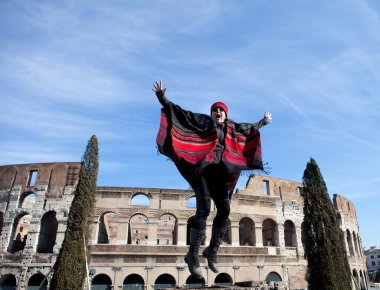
point(216, 109)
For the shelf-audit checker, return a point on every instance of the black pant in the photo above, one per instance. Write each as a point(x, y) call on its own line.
point(211, 184)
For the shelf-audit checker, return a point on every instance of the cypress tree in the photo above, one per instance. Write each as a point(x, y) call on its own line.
point(328, 267)
point(70, 267)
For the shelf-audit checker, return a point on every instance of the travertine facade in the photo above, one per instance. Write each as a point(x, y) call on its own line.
point(140, 235)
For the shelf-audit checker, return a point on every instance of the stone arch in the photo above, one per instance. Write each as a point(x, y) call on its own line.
point(290, 234)
point(9, 281)
point(273, 277)
point(270, 233)
point(140, 199)
point(247, 232)
point(103, 282)
point(105, 228)
point(349, 243)
point(188, 227)
point(139, 229)
point(227, 238)
point(164, 281)
point(1, 222)
point(191, 202)
point(48, 232)
point(133, 282)
point(194, 282)
point(37, 279)
point(167, 230)
point(20, 231)
point(223, 279)
point(27, 200)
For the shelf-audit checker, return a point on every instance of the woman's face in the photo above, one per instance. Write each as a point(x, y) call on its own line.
point(218, 114)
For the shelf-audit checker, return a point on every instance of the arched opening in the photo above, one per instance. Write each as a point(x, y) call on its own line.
point(188, 227)
point(223, 279)
point(48, 232)
point(8, 282)
point(133, 282)
point(227, 238)
point(139, 229)
point(349, 243)
point(270, 233)
point(27, 200)
point(20, 231)
point(101, 282)
point(247, 232)
point(290, 234)
point(164, 281)
point(36, 280)
point(194, 282)
point(167, 230)
point(192, 202)
point(105, 227)
point(273, 277)
point(140, 199)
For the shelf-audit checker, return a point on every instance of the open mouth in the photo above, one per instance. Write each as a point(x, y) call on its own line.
point(218, 115)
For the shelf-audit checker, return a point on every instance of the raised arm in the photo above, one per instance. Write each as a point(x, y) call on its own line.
point(264, 121)
point(160, 93)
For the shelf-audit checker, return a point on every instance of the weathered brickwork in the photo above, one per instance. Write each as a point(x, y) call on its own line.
point(140, 235)
point(34, 205)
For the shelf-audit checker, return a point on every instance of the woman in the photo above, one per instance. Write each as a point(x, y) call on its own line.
point(209, 152)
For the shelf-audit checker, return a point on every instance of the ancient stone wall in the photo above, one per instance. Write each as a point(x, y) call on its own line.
point(34, 204)
point(140, 235)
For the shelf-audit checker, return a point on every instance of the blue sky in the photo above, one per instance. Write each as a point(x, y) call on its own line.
point(71, 69)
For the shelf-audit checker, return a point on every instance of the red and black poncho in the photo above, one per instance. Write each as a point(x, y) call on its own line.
point(189, 139)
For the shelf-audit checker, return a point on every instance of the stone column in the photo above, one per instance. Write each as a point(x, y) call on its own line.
point(280, 236)
point(116, 277)
point(62, 225)
point(208, 233)
point(123, 228)
point(152, 232)
point(259, 234)
point(33, 234)
point(180, 279)
point(300, 249)
point(94, 224)
point(181, 233)
point(346, 243)
point(6, 234)
point(235, 234)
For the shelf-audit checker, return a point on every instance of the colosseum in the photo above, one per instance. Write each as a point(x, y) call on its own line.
point(140, 235)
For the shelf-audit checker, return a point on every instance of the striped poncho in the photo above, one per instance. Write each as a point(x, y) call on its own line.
point(189, 139)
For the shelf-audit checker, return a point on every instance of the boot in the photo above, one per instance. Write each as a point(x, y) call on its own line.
point(211, 251)
point(192, 258)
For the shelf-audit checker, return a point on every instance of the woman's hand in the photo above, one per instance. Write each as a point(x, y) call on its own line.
point(268, 117)
point(157, 86)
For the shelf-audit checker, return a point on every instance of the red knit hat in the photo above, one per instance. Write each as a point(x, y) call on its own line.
point(220, 105)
